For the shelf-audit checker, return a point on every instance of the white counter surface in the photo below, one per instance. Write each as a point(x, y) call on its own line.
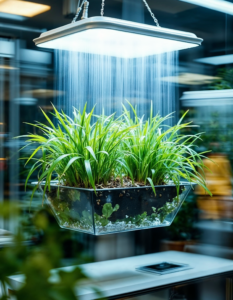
point(119, 277)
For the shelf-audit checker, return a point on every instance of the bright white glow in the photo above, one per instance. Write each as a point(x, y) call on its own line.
point(22, 8)
point(217, 60)
point(219, 5)
point(115, 43)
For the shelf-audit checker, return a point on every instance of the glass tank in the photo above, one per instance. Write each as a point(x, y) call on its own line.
point(109, 211)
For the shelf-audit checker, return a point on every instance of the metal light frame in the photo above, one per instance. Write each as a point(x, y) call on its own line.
point(119, 25)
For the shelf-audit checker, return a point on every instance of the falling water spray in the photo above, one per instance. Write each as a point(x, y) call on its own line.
point(108, 82)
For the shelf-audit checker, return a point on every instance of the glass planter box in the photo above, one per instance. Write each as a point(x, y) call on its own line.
point(115, 210)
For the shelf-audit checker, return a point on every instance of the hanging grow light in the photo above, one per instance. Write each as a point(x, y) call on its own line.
point(115, 37)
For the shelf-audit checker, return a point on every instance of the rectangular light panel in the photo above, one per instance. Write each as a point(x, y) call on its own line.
point(207, 98)
point(217, 60)
point(22, 8)
point(119, 38)
point(219, 5)
point(115, 43)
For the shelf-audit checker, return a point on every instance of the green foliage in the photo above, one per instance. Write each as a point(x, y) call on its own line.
point(80, 153)
point(8, 209)
point(86, 219)
point(36, 261)
point(107, 211)
point(218, 135)
point(138, 220)
point(157, 153)
point(162, 212)
point(165, 210)
point(225, 81)
point(182, 227)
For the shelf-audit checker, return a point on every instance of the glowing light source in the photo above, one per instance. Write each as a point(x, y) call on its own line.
point(22, 8)
point(113, 37)
point(217, 60)
point(219, 5)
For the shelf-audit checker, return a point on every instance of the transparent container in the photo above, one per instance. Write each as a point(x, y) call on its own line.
point(115, 210)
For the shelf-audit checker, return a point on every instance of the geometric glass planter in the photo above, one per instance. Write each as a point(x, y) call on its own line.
point(115, 210)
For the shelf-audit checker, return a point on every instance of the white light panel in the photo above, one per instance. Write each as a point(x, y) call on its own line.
point(219, 5)
point(119, 38)
point(217, 60)
point(207, 98)
point(115, 43)
point(23, 8)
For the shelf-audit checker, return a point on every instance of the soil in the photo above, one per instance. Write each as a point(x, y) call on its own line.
point(118, 183)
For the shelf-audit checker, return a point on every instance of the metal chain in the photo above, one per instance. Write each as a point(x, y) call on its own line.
point(78, 11)
point(146, 4)
point(152, 15)
point(102, 8)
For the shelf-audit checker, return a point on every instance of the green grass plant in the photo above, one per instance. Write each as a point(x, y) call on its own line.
point(88, 150)
point(157, 154)
point(78, 151)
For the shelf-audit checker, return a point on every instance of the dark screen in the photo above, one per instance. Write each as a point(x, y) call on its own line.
point(163, 267)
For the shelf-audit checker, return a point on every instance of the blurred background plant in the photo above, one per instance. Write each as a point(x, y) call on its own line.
point(224, 81)
point(36, 249)
point(182, 228)
point(215, 123)
point(217, 136)
point(183, 231)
